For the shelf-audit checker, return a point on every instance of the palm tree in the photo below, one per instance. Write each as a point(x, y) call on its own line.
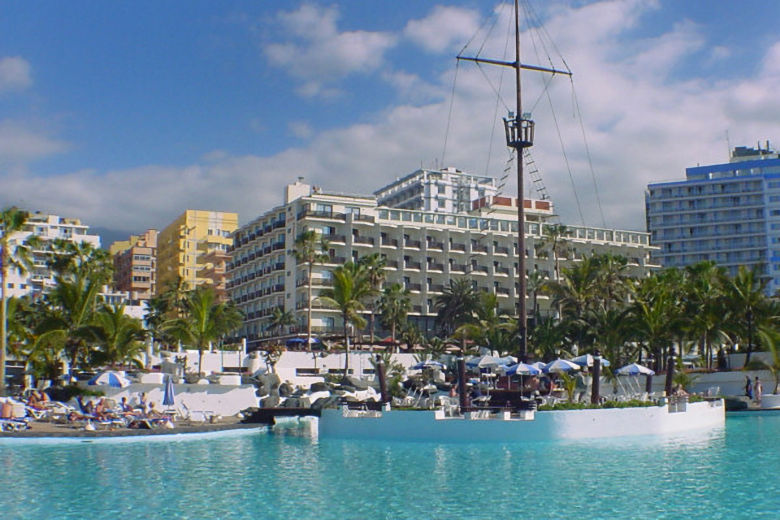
point(456, 305)
point(612, 279)
point(12, 220)
point(394, 306)
point(535, 283)
point(119, 337)
point(205, 320)
point(157, 314)
point(547, 338)
point(374, 264)
point(350, 288)
point(412, 336)
point(747, 302)
point(68, 319)
point(80, 259)
point(705, 301)
point(555, 236)
point(652, 313)
point(281, 319)
point(310, 248)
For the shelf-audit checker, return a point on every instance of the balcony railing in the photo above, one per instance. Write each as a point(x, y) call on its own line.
point(335, 238)
point(363, 240)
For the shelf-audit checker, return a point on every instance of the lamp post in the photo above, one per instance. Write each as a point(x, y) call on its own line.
point(749, 315)
point(595, 395)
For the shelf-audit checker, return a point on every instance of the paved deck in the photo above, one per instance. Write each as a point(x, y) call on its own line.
point(46, 429)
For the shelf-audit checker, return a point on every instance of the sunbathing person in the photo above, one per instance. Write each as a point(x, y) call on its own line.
point(101, 410)
point(124, 406)
point(153, 411)
point(34, 401)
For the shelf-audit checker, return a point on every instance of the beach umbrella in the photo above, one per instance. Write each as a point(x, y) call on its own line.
point(586, 360)
point(522, 369)
point(110, 378)
point(483, 362)
point(539, 365)
point(300, 341)
point(428, 364)
point(560, 365)
point(168, 394)
point(634, 369)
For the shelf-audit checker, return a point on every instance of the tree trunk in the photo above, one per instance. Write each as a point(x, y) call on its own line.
point(346, 347)
point(308, 312)
point(200, 361)
point(4, 326)
point(371, 326)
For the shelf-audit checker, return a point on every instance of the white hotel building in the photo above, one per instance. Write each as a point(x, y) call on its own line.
point(47, 228)
point(424, 250)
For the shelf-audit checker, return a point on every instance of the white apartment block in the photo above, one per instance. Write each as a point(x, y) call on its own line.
point(727, 213)
point(47, 228)
point(424, 250)
point(448, 190)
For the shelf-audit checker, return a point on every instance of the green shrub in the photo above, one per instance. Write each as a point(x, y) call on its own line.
point(66, 393)
point(633, 403)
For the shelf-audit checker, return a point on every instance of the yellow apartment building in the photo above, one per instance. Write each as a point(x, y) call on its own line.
point(184, 247)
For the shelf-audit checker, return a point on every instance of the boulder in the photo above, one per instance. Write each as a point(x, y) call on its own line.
point(291, 402)
point(325, 402)
point(272, 401)
point(286, 390)
point(319, 387)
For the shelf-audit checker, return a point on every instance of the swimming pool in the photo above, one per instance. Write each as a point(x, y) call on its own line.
point(727, 474)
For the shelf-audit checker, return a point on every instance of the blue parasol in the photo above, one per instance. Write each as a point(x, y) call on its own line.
point(561, 365)
point(110, 378)
point(634, 369)
point(428, 364)
point(168, 394)
point(522, 369)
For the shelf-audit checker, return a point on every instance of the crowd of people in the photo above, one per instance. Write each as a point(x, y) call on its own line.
point(142, 414)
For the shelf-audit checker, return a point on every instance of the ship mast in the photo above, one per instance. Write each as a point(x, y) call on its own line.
point(519, 135)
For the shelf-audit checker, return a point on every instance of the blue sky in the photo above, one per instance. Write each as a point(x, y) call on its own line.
point(218, 105)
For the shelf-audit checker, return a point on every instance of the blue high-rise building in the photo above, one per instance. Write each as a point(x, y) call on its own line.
point(728, 213)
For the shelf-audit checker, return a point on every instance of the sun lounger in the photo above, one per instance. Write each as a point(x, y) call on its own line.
point(13, 425)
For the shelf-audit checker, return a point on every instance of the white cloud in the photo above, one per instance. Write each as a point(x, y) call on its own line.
point(443, 28)
point(19, 144)
point(318, 55)
point(642, 126)
point(300, 129)
point(14, 74)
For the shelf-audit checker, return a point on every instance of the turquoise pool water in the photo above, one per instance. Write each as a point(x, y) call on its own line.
point(731, 473)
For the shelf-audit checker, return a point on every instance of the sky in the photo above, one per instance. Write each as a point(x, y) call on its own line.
point(124, 114)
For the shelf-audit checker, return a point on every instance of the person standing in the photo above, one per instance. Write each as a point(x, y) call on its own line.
point(758, 390)
point(748, 387)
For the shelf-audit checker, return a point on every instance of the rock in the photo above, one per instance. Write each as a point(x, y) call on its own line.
point(291, 402)
point(325, 402)
point(320, 387)
point(354, 382)
point(272, 401)
point(286, 390)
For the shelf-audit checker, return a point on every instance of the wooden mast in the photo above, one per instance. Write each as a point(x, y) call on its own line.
point(522, 313)
point(519, 135)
